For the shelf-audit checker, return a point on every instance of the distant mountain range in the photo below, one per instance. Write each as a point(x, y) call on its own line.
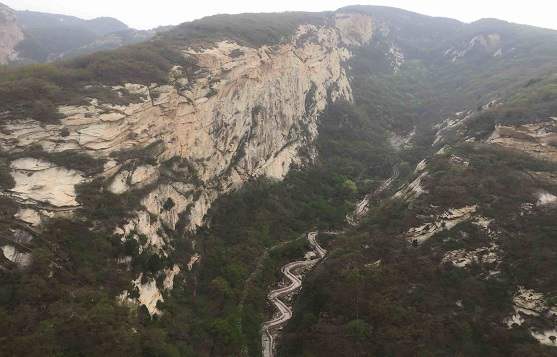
point(37, 37)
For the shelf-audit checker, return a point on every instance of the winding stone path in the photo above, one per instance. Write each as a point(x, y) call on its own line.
point(270, 328)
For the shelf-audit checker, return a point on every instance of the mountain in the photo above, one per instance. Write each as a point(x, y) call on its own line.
point(99, 26)
point(36, 37)
point(152, 193)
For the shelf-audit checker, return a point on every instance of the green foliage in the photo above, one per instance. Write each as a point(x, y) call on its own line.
point(6, 179)
point(358, 329)
point(168, 204)
point(247, 29)
point(70, 82)
point(143, 63)
point(65, 303)
point(491, 172)
point(352, 145)
point(147, 154)
point(100, 204)
point(401, 304)
point(536, 101)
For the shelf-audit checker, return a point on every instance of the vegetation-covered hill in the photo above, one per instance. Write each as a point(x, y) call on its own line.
point(49, 37)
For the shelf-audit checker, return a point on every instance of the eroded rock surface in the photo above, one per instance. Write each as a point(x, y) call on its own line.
point(439, 223)
point(532, 309)
point(41, 181)
point(537, 139)
point(21, 259)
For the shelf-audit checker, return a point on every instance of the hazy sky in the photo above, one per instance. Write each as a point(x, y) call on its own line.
point(143, 14)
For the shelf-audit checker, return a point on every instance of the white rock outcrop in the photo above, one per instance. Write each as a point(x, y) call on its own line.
point(170, 274)
point(545, 337)
point(11, 253)
point(445, 221)
point(41, 181)
point(490, 44)
point(29, 215)
point(414, 189)
point(532, 310)
point(546, 198)
point(536, 139)
point(461, 258)
point(149, 295)
point(196, 258)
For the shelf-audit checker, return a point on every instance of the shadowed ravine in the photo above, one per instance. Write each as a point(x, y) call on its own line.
point(271, 327)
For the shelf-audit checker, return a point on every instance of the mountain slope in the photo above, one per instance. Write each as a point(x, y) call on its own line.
point(152, 194)
point(455, 260)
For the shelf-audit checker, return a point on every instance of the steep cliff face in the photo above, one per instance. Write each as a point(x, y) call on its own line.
point(10, 34)
point(241, 113)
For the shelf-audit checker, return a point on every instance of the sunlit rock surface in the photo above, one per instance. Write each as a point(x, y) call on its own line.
point(41, 181)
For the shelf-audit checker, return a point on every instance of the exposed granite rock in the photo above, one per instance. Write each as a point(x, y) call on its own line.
point(414, 189)
point(21, 259)
point(546, 198)
point(487, 44)
point(533, 310)
point(41, 181)
point(462, 258)
point(445, 221)
point(538, 139)
point(29, 215)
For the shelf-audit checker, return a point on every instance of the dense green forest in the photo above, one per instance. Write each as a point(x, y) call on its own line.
point(377, 294)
